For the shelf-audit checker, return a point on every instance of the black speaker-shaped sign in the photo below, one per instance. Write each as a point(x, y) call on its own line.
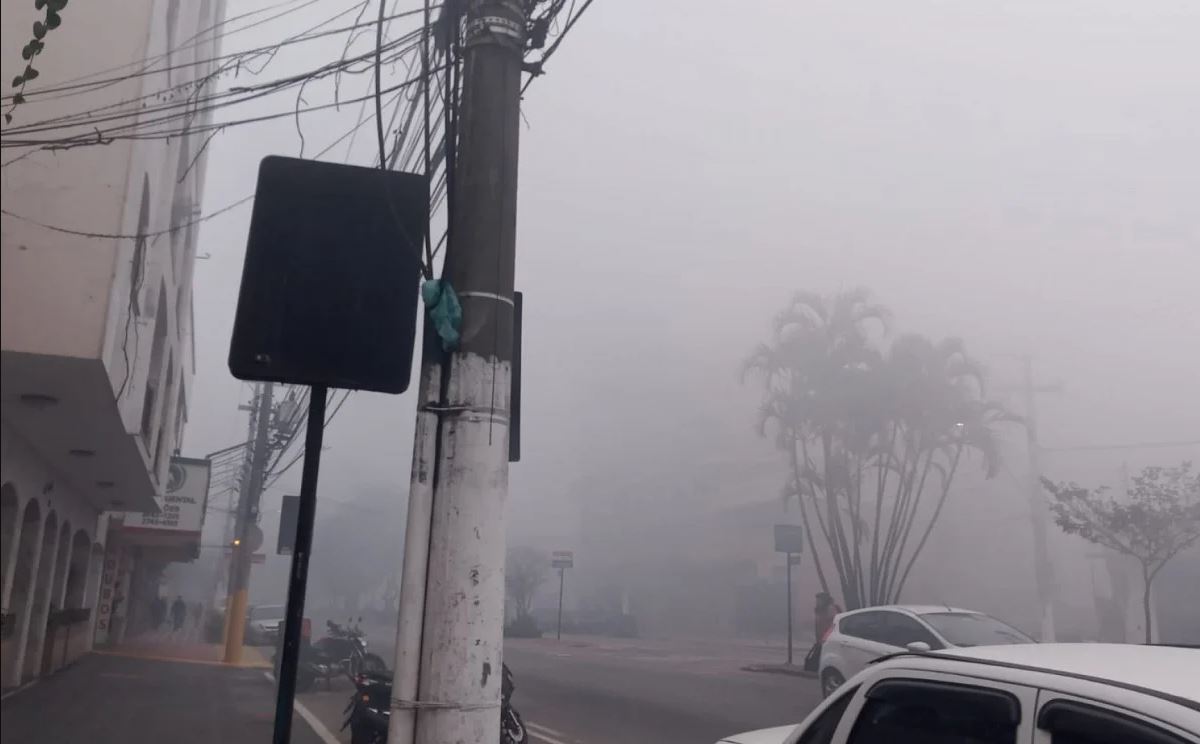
point(331, 279)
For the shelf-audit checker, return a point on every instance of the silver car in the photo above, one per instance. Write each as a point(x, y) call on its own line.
point(859, 637)
point(264, 623)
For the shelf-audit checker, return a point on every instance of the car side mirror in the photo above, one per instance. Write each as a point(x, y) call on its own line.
point(918, 647)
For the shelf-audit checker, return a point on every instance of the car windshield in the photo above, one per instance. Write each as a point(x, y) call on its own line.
point(974, 629)
point(268, 612)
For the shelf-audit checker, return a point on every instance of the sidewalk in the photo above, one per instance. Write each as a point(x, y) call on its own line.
point(164, 647)
point(106, 698)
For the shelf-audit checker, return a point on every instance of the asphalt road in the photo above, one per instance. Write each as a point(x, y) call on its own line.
point(595, 691)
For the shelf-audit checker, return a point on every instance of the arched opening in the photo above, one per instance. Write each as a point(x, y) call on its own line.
point(9, 529)
point(53, 635)
point(36, 632)
point(91, 593)
point(60, 566)
point(77, 573)
point(20, 593)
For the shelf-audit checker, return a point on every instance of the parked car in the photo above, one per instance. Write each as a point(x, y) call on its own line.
point(263, 624)
point(859, 637)
point(1017, 694)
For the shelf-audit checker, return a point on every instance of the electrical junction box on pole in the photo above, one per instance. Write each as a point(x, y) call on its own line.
point(331, 277)
point(789, 538)
point(562, 559)
point(289, 512)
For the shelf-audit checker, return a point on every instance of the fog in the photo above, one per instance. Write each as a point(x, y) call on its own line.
point(1021, 175)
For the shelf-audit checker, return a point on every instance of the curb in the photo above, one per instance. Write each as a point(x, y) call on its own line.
point(790, 670)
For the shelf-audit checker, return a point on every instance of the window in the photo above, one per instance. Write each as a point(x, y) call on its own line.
point(138, 265)
point(822, 730)
point(974, 629)
point(1070, 722)
point(901, 630)
point(900, 711)
point(866, 625)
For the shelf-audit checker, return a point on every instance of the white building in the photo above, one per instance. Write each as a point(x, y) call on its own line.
point(96, 332)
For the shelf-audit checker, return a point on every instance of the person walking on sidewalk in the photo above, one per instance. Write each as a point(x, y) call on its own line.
point(178, 612)
point(823, 614)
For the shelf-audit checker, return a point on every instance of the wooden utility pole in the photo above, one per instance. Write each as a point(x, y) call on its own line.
point(448, 667)
point(247, 514)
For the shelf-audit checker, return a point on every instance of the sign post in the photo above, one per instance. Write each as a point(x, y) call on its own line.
point(789, 540)
point(562, 560)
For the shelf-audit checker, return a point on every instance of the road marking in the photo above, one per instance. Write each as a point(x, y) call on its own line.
point(545, 733)
point(319, 728)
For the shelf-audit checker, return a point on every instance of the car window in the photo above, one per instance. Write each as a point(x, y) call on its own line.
point(821, 731)
point(927, 712)
point(869, 626)
point(1072, 722)
point(974, 629)
point(901, 630)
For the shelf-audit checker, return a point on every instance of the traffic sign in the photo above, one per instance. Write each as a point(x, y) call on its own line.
point(789, 538)
point(562, 559)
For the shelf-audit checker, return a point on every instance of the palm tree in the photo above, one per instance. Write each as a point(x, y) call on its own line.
point(869, 433)
point(820, 359)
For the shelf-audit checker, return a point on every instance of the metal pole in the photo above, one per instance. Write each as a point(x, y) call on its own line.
point(298, 578)
point(789, 606)
point(1038, 512)
point(239, 569)
point(561, 574)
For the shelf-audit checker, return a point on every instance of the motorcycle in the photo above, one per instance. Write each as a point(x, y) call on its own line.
point(368, 712)
point(342, 651)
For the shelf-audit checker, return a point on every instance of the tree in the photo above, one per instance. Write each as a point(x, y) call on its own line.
point(1158, 518)
point(875, 434)
point(524, 571)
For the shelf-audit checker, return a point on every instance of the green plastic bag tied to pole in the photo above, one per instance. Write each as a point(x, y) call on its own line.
point(441, 302)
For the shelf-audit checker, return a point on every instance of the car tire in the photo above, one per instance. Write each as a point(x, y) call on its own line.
point(831, 680)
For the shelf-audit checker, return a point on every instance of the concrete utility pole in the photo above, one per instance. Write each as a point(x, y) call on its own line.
point(452, 584)
point(1039, 513)
point(247, 512)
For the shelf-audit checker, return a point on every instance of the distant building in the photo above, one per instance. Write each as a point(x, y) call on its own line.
point(96, 316)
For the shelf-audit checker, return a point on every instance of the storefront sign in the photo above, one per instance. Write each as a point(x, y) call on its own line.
point(181, 507)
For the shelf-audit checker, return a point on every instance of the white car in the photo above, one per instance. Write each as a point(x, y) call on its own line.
point(1076, 693)
point(859, 637)
point(264, 623)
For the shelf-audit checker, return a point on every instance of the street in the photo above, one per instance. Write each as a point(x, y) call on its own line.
point(609, 691)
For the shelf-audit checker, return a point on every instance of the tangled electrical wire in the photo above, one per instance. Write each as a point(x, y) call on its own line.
point(421, 109)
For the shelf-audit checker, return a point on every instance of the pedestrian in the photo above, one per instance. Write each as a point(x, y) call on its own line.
point(823, 614)
point(178, 612)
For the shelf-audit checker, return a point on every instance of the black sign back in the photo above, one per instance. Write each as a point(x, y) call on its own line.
point(330, 283)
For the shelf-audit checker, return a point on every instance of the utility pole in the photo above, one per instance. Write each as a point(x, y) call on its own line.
point(562, 572)
point(247, 513)
point(452, 584)
point(789, 607)
point(1038, 511)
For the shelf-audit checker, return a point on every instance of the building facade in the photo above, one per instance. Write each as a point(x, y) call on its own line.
point(98, 244)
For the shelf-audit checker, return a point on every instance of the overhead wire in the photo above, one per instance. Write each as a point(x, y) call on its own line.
point(88, 117)
point(247, 93)
point(147, 64)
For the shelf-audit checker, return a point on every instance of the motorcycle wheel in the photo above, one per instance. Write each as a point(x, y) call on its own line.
point(304, 678)
point(512, 728)
point(364, 734)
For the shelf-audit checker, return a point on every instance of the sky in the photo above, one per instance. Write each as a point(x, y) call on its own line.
point(1024, 175)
